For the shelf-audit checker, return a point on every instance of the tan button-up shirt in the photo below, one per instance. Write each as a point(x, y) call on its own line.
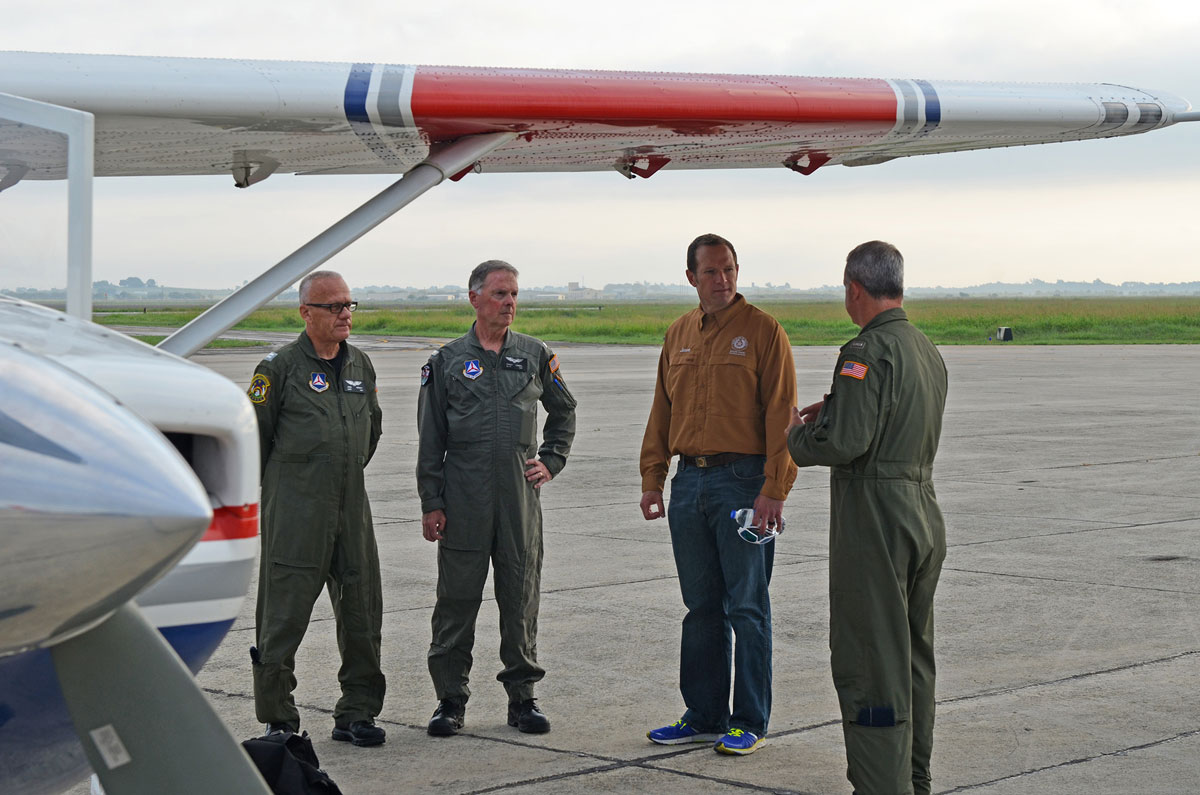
point(726, 384)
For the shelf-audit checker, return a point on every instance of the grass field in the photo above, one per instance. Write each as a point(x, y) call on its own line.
point(971, 321)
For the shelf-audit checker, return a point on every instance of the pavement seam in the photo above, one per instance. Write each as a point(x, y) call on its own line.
point(1072, 762)
point(1069, 532)
point(1068, 581)
point(1071, 678)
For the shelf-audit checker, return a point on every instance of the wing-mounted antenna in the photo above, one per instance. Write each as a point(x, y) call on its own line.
point(13, 173)
point(806, 161)
point(631, 166)
point(252, 166)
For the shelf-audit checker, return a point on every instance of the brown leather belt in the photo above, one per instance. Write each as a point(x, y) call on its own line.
point(716, 460)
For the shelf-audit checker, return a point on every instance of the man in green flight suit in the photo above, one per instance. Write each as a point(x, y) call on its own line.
point(319, 422)
point(479, 468)
point(878, 431)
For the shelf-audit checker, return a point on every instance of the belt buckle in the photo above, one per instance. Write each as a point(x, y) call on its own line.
point(701, 461)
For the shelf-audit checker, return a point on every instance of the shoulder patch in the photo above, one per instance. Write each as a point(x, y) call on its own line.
point(857, 344)
point(853, 370)
point(270, 356)
point(425, 371)
point(260, 387)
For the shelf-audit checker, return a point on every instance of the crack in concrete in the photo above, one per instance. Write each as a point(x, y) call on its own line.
point(1072, 762)
point(1069, 581)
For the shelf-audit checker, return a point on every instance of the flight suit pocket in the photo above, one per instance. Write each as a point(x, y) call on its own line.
point(465, 414)
point(524, 407)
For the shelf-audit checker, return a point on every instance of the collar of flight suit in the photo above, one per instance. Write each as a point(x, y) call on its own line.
point(473, 338)
point(311, 352)
point(886, 316)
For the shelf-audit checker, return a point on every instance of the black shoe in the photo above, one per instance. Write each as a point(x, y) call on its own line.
point(448, 718)
point(361, 733)
point(526, 716)
point(278, 728)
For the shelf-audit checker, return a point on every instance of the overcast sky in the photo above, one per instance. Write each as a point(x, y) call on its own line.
point(1116, 210)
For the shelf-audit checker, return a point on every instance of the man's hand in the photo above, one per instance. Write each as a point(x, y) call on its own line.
point(807, 414)
point(652, 505)
point(433, 525)
point(536, 472)
point(768, 513)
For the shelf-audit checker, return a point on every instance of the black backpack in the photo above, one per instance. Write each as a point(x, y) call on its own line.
point(289, 764)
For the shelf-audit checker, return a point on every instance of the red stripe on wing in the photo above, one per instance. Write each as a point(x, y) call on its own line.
point(516, 96)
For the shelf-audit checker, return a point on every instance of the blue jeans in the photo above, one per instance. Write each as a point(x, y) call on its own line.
point(724, 582)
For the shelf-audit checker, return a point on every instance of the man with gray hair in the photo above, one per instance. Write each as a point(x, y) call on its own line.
point(479, 469)
point(877, 430)
point(319, 422)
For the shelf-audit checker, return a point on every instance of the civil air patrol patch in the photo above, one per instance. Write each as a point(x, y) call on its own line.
point(854, 370)
point(354, 387)
point(260, 387)
point(319, 382)
point(513, 363)
point(473, 369)
point(425, 371)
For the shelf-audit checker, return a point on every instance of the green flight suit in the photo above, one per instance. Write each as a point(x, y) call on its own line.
point(317, 431)
point(878, 432)
point(477, 420)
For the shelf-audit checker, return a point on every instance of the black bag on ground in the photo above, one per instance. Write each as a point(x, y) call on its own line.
point(289, 764)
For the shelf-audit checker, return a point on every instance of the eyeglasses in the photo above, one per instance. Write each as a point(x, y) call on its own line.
point(337, 308)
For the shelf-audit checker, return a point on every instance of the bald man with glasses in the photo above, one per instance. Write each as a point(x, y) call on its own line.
point(319, 423)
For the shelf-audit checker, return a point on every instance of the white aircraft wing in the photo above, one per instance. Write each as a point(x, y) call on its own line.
point(160, 116)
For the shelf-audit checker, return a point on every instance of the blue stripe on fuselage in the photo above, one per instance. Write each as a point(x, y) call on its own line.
point(933, 105)
point(357, 86)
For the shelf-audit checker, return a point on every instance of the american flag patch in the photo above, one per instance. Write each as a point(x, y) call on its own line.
point(854, 370)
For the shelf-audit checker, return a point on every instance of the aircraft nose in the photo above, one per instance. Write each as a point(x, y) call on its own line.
point(94, 503)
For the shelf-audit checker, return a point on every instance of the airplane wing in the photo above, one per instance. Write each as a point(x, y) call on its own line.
point(250, 119)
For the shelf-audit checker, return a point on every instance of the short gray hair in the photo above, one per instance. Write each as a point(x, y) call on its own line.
point(878, 267)
point(484, 269)
point(306, 282)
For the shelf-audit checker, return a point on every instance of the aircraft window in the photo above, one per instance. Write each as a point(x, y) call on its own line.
point(1149, 115)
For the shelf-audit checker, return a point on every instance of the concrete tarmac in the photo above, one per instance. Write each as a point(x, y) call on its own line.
point(1068, 614)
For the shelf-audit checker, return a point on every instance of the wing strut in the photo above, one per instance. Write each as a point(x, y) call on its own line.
point(80, 129)
point(439, 166)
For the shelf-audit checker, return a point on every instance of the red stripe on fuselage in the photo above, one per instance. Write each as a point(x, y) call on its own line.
point(521, 97)
point(233, 522)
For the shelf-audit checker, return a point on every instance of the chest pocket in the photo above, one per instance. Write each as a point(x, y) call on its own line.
point(682, 373)
point(524, 391)
point(736, 380)
point(466, 411)
point(307, 419)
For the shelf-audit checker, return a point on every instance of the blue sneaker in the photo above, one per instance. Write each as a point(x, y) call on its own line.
point(678, 733)
point(739, 742)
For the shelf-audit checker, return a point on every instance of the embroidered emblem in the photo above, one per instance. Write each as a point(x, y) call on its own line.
point(270, 356)
point(740, 343)
point(260, 387)
point(854, 370)
point(353, 387)
point(554, 363)
point(425, 371)
point(514, 363)
point(318, 382)
point(685, 350)
point(860, 344)
point(473, 369)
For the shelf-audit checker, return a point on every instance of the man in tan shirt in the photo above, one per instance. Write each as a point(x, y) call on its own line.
point(722, 403)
